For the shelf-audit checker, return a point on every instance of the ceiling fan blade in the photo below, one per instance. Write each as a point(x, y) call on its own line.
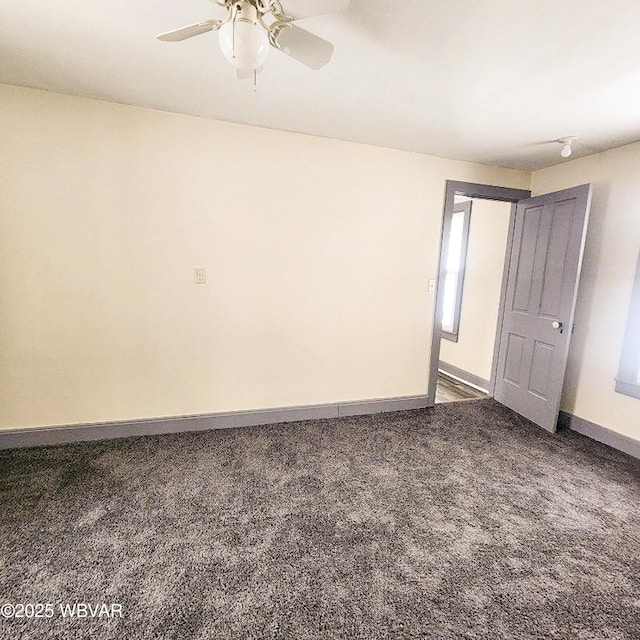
point(304, 46)
point(189, 32)
point(299, 9)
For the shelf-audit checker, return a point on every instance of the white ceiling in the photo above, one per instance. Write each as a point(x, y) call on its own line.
point(491, 81)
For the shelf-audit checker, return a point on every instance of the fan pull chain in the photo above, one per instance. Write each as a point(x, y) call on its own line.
point(255, 80)
point(233, 33)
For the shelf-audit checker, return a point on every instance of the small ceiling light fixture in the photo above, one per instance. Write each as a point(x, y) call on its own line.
point(566, 145)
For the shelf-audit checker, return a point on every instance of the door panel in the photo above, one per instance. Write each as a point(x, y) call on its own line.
point(540, 369)
point(513, 365)
point(542, 283)
point(550, 305)
point(526, 259)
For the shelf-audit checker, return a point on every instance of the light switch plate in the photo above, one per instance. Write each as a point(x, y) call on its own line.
point(432, 285)
point(199, 275)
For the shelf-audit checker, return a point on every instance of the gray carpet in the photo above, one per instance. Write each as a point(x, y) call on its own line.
point(463, 521)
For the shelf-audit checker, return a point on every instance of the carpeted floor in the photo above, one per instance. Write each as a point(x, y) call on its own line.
point(463, 521)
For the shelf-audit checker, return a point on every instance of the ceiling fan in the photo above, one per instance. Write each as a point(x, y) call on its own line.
point(251, 27)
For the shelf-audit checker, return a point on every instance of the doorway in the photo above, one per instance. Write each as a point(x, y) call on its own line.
point(474, 261)
point(477, 235)
point(541, 272)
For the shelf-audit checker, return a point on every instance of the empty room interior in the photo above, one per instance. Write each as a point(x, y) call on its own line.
point(320, 319)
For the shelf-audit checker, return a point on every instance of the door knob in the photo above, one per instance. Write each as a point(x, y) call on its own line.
point(557, 325)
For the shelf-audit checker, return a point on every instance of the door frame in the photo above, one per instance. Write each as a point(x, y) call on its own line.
point(455, 188)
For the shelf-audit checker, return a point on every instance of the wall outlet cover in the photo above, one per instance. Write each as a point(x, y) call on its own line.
point(199, 275)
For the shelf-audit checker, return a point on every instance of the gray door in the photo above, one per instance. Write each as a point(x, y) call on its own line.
point(542, 283)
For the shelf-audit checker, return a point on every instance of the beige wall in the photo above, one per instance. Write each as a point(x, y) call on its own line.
point(318, 255)
point(611, 255)
point(488, 233)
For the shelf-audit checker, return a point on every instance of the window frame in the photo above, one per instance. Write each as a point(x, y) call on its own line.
point(465, 208)
point(627, 381)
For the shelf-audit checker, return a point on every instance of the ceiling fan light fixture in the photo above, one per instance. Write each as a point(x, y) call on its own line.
point(243, 40)
point(567, 143)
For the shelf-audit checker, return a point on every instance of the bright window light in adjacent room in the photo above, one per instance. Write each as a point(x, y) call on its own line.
point(628, 378)
point(452, 276)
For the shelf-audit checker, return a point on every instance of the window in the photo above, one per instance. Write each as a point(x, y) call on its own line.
point(628, 381)
point(458, 226)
